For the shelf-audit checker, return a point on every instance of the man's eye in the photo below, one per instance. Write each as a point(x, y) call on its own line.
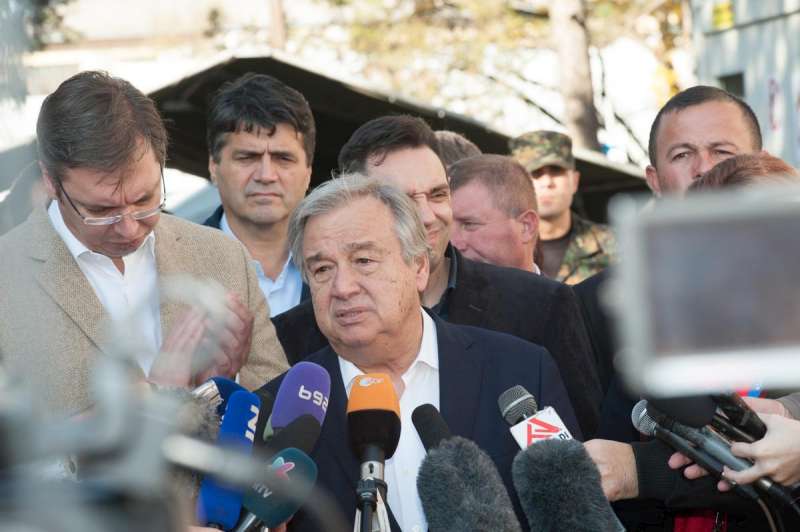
point(364, 260)
point(681, 155)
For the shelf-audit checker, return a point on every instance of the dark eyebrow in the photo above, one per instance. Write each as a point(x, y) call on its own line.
point(283, 152)
point(364, 246)
point(246, 151)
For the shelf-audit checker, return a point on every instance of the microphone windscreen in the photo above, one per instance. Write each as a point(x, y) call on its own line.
point(695, 411)
point(302, 433)
point(219, 389)
point(305, 390)
point(559, 488)
point(460, 489)
point(373, 414)
point(430, 425)
point(516, 404)
point(294, 475)
point(217, 503)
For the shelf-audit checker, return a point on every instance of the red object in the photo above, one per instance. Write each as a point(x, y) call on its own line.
point(701, 521)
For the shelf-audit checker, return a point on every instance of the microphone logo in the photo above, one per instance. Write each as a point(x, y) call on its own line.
point(541, 430)
point(369, 381)
point(281, 468)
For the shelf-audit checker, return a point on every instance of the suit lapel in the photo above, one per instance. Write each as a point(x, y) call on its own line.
point(169, 261)
point(459, 380)
point(62, 279)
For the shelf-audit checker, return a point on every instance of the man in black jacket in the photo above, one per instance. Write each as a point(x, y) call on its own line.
point(403, 151)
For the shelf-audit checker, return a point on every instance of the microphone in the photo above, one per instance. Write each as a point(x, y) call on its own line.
point(458, 483)
point(373, 423)
point(297, 415)
point(559, 488)
point(528, 424)
point(720, 449)
point(217, 390)
point(217, 503)
point(294, 475)
point(741, 415)
point(305, 389)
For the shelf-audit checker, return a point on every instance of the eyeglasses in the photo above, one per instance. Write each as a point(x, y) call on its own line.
point(111, 220)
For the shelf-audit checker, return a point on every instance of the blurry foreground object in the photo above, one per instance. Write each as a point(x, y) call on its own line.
point(26, 193)
point(706, 290)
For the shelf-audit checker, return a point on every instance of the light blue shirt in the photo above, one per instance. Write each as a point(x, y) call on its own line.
point(284, 292)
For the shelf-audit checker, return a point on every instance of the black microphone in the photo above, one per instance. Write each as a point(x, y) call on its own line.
point(458, 483)
point(733, 406)
point(302, 434)
point(529, 424)
point(559, 488)
point(648, 426)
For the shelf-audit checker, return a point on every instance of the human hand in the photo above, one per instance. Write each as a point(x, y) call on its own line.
point(617, 467)
point(235, 340)
point(766, 406)
point(776, 455)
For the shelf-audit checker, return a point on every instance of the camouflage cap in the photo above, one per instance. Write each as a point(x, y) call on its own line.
point(538, 149)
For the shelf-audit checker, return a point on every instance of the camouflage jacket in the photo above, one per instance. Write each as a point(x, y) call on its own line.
point(591, 249)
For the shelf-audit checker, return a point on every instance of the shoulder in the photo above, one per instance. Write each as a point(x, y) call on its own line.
point(485, 344)
point(503, 276)
point(173, 227)
point(325, 357)
point(601, 232)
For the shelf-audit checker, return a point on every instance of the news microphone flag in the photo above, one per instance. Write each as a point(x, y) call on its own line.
point(294, 475)
point(528, 425)
point(217, 503)
point(305, 389)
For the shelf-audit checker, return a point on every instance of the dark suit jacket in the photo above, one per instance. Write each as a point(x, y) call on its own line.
point(216, 219)
point(507, 300)
point(475, 367)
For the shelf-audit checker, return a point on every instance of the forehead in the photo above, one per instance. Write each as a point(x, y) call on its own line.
point(708, 122)
point(283, 136)
point(412, 170)
point(472, 199)
point(358, 221)
point(138, 177)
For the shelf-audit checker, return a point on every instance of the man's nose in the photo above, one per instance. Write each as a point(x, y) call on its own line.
point(344, 283)
point(704, 162)
point(266, 171)
point(457, 237)
point(127, 227)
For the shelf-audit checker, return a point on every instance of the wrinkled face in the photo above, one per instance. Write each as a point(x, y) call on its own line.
point(364, 294)
point(99, 194)
point(555, 187)
point(483, 232)
point(420, 174)
point(261, 177)
point(691, 141)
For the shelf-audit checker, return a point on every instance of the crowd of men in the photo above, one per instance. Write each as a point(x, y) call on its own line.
point(447, 269)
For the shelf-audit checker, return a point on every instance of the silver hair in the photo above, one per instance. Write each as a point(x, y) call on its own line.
point(338, 192)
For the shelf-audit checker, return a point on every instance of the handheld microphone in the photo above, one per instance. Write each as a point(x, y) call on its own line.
point(458, 483)
point(373, 423)
point(218, 503)
point(218, 390)
point(718, 448)
point(528, 424)
point(293, 477)
point(302, 434)
point(648, 426)
point(741, 415)
point(555, 478)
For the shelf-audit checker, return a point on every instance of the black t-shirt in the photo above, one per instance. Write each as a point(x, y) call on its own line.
point(551, 254)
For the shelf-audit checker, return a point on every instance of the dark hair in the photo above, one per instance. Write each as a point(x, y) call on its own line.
point(453, 147)
point(258, 101)
point(749, 169)
point(508, 182)
point(374, 140)
point(696, 96)
point(97, 121)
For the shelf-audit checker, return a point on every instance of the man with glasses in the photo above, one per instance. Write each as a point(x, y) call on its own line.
point(102, 251)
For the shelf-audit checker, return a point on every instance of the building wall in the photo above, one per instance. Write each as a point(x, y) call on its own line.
point(759, 39)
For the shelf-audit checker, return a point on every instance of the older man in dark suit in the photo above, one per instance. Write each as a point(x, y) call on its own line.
point(361, 246)
point(402, 150)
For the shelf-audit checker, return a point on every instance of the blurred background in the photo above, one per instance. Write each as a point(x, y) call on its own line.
point(596, 69)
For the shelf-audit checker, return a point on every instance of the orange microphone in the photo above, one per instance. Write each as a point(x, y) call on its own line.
point(373, 422)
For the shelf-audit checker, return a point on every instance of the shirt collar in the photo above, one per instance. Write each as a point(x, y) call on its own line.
point(75, 246)
point(288, 268)
point(428, 354)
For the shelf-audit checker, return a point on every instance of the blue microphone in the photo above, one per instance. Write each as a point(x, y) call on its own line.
point(219, 504)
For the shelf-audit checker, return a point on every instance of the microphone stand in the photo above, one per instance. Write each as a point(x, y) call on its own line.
point(371, 515)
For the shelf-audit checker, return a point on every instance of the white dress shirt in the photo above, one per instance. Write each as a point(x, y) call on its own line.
point(121, 294)
point(421, 386)
point(284, 292)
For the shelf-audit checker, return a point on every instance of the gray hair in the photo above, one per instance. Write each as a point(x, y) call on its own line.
point(342, 190)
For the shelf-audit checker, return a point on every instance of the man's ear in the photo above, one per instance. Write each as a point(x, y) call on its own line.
point(49, 184)
point(212, 169)
point(529, 222)
point(651, 176)
point(576, 180)
point(422, 269)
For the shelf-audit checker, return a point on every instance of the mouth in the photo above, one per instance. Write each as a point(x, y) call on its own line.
point(350, 316)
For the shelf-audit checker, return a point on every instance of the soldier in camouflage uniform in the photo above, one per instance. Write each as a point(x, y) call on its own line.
point(570, 248)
